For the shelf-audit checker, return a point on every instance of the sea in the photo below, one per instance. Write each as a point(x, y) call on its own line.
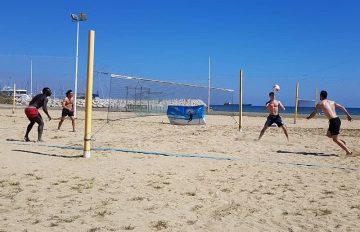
point(289, 109)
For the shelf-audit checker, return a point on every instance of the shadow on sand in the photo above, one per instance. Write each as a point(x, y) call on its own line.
point(60, 156)
point(306, 153)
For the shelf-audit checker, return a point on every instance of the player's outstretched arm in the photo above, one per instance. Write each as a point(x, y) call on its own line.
point(282, 106)
point(344, 110)
point(44, 107)
point(317, 107)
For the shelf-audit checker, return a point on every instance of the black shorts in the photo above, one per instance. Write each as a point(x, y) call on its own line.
point(334, 126)
point(66, 112)
point(271, 119)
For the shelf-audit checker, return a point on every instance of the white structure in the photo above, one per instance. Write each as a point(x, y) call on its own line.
point(21, 95)
point(77, 19)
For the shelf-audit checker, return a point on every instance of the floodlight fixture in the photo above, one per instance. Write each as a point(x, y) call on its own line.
point(83, 17)
point(74, 17)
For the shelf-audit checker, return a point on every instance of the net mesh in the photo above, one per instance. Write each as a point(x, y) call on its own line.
point(134, 96)
point(306, 103)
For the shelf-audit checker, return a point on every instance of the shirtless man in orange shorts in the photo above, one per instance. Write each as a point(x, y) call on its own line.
point(272, 107)
point(328, 107)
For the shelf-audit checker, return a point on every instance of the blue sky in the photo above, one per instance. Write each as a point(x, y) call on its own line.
point(315, 42)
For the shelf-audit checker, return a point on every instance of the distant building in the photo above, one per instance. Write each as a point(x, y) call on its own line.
point(19, 93)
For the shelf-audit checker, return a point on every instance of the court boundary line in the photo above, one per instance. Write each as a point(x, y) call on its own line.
point(166, 154)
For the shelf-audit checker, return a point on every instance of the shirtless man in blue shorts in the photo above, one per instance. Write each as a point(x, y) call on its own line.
point(272, 106)
point(328, 107)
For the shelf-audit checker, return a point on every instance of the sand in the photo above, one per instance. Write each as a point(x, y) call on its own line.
point(160, 177)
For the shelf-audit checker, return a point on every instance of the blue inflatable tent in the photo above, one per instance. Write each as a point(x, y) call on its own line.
point(186, 115)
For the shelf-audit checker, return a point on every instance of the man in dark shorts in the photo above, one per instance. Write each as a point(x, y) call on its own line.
point(329, 109)
point(68, 109)
point(33, 114)
point(272, 106)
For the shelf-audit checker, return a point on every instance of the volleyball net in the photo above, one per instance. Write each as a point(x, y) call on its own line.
point(138, 96)
point(304, 105)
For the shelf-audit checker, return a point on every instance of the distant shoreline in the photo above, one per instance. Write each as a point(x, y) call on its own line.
point(228, 113)
point(264, 114)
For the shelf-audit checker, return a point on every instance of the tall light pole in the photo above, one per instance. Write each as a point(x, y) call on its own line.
point(77, 18)
point(209, 87)
point(31, 78)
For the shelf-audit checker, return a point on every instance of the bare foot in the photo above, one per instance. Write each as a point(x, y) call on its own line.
point(40, 141)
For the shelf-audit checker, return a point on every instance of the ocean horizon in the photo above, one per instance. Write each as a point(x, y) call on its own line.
point(288, 109)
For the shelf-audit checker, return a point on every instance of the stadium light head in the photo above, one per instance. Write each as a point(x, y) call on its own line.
point(81, 17)
point(74, 17)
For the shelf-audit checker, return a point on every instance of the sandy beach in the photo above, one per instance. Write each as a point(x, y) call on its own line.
point(147, 175)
